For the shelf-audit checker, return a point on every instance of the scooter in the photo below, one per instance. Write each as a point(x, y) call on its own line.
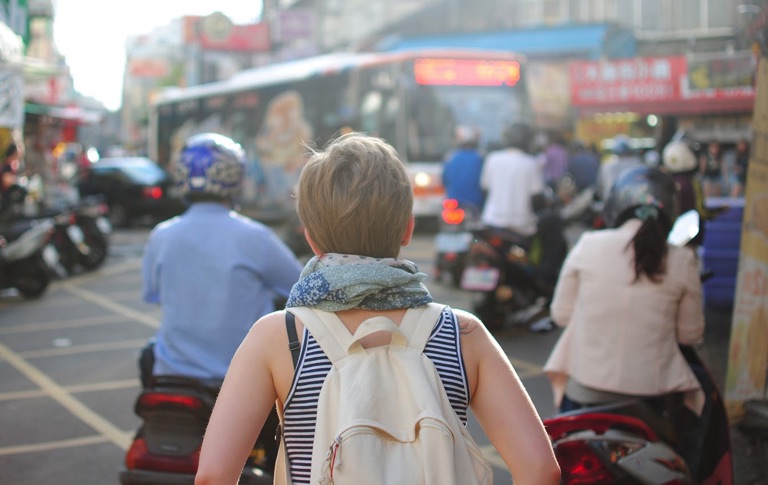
point(27, 256)
point(511, 278)
point(627, 442)
point(80, 230)
point(454, 239)
point(166, 448)
point(92, 217)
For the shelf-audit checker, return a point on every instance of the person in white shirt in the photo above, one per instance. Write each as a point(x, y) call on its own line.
point(512, 178)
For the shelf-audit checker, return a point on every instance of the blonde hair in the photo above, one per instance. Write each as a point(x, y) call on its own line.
point(354, 197)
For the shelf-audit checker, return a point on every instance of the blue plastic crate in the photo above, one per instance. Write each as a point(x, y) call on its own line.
point(734, 211)
point(726, 267)
point(719, 291)
point(722, 235)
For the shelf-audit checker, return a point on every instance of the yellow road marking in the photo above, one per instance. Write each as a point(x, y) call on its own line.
point(529, 369)
point(95, 387)
point(114, 269)
point(62, 324)
point(60, 395)
point(113, 307)
point(53, 445)
point(79, 349)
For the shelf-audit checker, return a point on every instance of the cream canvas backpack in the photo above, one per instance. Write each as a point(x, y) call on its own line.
point(383, 414)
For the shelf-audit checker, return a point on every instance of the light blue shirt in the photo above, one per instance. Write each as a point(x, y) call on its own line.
point(215, 272)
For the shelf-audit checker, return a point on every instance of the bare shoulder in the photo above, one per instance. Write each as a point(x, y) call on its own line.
point(267, 330)
point(468, 322)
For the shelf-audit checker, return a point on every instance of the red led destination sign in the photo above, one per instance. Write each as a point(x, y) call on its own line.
point(466, 72)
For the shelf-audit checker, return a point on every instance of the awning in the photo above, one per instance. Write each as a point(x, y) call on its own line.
point(592, 41)
point(69, 113)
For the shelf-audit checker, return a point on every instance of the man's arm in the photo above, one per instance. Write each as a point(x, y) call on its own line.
point(278, 265)
point(150, 271)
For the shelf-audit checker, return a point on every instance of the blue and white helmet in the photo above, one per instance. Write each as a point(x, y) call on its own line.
point(210, 164)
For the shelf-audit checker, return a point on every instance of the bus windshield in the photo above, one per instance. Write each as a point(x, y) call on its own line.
point(436, 110)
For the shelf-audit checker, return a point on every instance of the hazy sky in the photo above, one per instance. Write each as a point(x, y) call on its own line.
point(92, 33)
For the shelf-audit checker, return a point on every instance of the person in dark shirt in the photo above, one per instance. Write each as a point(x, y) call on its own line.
point(711, 169)
point(583, 166)
point(8, 170)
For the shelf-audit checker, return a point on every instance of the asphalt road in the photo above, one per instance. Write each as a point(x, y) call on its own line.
point(68, 375)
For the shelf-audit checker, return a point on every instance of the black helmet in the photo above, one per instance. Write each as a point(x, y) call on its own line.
point(641, 186)
point(518, 135)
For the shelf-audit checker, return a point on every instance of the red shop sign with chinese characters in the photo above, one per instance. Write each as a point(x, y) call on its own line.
point(642, 81)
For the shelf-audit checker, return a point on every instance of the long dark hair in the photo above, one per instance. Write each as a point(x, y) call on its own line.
point(649, 242)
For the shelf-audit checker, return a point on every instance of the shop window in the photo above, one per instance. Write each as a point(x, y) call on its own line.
point(688, 15)
point(719, 14)
point(626, 12)
point(530, 13)
point(652, 15)
point(554, 11)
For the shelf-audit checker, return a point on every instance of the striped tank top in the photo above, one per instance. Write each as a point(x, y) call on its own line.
point(300, 410)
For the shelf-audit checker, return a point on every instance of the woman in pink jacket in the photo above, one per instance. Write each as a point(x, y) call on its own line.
point(627, 299)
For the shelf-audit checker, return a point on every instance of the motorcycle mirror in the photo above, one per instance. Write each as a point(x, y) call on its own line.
point(686, 228)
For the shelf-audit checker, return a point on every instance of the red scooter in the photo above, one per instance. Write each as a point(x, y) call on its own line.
point(175, 412)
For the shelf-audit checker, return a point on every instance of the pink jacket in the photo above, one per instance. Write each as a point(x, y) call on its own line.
point(622, 336)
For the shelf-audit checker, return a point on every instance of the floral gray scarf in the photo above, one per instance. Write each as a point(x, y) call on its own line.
point(335, 282)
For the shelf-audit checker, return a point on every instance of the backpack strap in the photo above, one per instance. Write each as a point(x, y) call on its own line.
point(418, 323)
point(336, 341)
point(293, 338)
point(327, 329)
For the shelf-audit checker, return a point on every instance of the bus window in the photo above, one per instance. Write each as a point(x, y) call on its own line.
point(436, 110)
point(369, 113)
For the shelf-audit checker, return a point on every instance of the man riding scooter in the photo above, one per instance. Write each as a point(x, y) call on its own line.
point(214, 271)
point(521, 230)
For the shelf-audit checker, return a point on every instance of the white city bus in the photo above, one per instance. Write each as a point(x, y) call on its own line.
point(413, 99)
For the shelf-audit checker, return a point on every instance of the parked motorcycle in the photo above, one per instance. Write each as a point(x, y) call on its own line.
point(175, 412)
point(628, 442)
point(80, 230)
point(454, 239)
point(27, 256)
point(92, 217)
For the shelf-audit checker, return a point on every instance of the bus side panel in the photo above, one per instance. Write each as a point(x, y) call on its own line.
point(275, 125)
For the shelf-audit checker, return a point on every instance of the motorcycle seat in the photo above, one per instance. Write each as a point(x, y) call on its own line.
point(635, 408)
point(755, 419)
point(184, 382)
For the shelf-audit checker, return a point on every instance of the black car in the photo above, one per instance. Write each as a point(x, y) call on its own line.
point(135, 188)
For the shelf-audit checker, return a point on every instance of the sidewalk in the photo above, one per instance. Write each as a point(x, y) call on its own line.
point(715, 353)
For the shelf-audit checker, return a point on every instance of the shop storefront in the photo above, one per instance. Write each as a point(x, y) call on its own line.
point(650, 98)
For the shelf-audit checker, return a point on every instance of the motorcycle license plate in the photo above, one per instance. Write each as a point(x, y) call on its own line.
point(75, 234)
point(480, 279)
point(458, 242)
point(104, 225)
